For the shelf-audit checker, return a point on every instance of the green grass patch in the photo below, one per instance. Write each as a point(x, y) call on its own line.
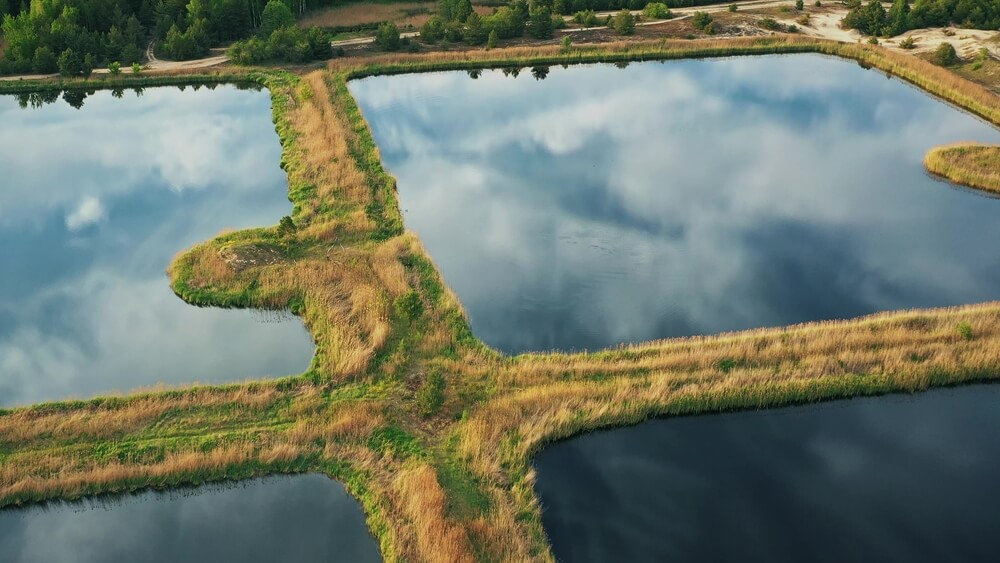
point(393, 439)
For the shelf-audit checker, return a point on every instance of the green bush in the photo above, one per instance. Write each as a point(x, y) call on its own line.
point(387, 37)
point(474, 33)
point(657, 11)
point(623, 23)
point(586, 18)
point(430, 396)
point(945, 55)
point(771, 24)
point(733, 7)
point(44, 61)
point(286, 226)
point(69, 63)
point(965, 331)
point(276, 15)
point(190, 43)
point(433, 30)
point(540, 23)
point(701, 20)
point(800, 5)
point(115, 68)
point(285, 44)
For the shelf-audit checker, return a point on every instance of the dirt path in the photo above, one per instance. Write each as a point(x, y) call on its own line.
point(154, 64)
point(27, 77)
point(367, 40)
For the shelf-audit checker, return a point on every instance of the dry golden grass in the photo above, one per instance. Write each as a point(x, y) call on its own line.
point(439, 539)
point(323, 158)
point(459, 483)
point(109, 476)
point(973, 165)
point(104, 420)
point(359, 13)
point(353, 424)
point(388, 266)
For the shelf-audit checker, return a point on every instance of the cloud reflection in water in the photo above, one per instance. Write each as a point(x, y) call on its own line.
point(605, 205)
point(95, 204)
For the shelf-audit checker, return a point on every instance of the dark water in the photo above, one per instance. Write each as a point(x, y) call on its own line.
point(94, 204)
point(605, 205)
point(899, 478)
point(305, 519)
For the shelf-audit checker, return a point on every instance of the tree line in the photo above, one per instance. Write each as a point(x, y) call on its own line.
point(456, 21)
point(278, 39)
point(75, 36)
point(873, 19)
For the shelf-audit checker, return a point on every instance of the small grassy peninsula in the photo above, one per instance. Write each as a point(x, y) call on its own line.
point(972, 165)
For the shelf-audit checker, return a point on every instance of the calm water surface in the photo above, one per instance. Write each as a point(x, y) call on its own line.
point(899, 478)
point(296, 519)
point(605, 205)
point(95, 203)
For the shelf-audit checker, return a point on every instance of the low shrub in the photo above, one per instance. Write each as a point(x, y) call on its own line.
point(657, 11)
point(945, 55)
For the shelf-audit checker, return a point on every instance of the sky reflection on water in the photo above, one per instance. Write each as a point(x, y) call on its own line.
point(605, 205)
point(898, 478)
point(95, 204)
point(306, 518)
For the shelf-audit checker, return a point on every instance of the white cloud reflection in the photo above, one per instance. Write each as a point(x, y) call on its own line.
point(95, 204)
point(603, 205)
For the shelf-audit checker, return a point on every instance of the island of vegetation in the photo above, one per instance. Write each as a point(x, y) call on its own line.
point(976, 166)
point(430, 429)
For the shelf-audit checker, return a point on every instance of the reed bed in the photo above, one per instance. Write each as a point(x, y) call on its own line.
point(454, 484)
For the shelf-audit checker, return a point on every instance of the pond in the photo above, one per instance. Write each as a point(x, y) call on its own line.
point(302, 518)
point(96, 201)
point(606, 205)
point(895, 478)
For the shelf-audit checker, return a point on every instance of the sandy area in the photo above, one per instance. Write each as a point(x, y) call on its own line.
point(967, 42)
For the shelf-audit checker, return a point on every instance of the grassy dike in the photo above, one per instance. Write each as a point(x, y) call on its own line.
point(445, 475)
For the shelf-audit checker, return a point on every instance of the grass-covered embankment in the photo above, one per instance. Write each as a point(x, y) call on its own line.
point(975, 166)
point(430, 429)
